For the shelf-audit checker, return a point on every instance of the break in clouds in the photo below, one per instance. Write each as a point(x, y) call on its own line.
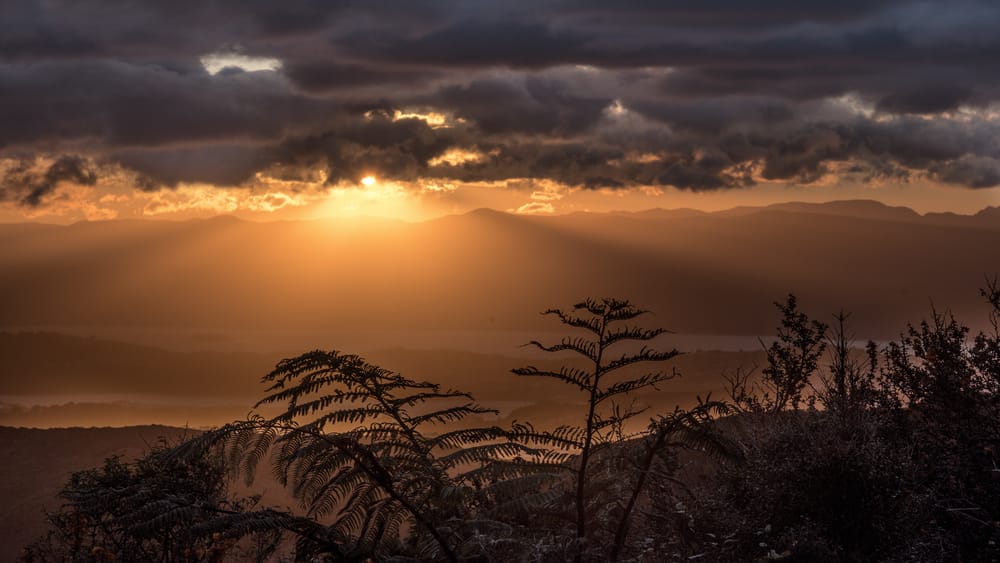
point(698, 95)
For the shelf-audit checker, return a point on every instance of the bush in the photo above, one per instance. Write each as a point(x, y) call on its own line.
point(158, 508)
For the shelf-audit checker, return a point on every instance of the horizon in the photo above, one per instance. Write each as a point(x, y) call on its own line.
point(817, 204)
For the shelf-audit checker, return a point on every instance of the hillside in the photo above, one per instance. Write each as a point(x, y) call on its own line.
point(57, 380)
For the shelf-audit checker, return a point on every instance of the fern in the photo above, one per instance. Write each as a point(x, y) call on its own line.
point(358, 444)
point(572, 453)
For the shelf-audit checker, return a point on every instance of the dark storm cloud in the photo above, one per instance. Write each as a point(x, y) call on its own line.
point(29, 186)
point(932, 98)
point(723, 12)
point(323, 76)
point(365, 145)
point(975, 172)
point(514, 44)
point(539, 105)
point(219, 164)
point(122, 103)
point(698, 94)
point(714, 115)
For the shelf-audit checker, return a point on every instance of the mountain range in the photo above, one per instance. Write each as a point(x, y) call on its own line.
point(704, 273)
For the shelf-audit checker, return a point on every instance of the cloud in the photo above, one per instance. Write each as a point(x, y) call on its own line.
point(29, 182)
point(325, 75)
point(507, 43)
point(972, 171)
point(204, 198)
point(219, 164)
point(534, 105)
point(128, 104)
point(536, 208)
point(597, 94)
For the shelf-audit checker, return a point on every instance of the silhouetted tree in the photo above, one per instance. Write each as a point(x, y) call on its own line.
point(791, 361)
point(951, 392)
point(895, 461)
point(159, 508)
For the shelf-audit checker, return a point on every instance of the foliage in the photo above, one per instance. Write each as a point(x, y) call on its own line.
point(893, 460)
point(378, 474)
point(951, 392)
point(159, 508)
point(610, 467)
point(791, 362)
point(829, 453)
point(356, 446)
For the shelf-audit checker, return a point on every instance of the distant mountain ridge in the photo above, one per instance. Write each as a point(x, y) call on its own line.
point(707, 273)
point(988, 217)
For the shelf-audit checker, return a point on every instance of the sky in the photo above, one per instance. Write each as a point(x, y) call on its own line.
point(114, 109)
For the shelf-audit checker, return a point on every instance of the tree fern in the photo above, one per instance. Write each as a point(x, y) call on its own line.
point(373, 454)
point(602, 433)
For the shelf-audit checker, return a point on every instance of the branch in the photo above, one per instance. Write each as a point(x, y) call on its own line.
point(633, 333)
point(582, 346)
point(647, 380)
point(573, 376)
point(592, 324)
point(644, 355)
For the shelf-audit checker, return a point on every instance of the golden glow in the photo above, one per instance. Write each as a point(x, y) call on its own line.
point(290, 194)
point(536, 208)
point(206, 198)
point(456, 157)
point(434, 119)
point(636, 158)
point(378, 199)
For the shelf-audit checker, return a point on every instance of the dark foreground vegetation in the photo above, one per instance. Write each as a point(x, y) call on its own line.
point(825, 453)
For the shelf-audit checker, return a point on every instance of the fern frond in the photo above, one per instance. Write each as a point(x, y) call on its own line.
point(466, 436)
point(644, 355)
point(577, 377)
point(632, 385)
point(592, 324)
point(582, 346)
point(563, 437)
point(634, 333)
point(450, 414)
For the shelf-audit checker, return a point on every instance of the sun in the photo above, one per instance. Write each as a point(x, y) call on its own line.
point(368, 181)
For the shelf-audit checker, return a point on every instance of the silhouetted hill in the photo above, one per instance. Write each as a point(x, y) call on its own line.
point(857, 208)
point(59, 380)
point(49, 363)
point(988, 218)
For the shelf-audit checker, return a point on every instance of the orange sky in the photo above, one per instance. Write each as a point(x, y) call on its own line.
point(416, 201)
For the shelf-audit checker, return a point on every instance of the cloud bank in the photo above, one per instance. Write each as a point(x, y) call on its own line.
point(697, 95)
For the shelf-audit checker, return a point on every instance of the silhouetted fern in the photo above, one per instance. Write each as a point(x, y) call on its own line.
point(356, 445)
point(598, 469)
